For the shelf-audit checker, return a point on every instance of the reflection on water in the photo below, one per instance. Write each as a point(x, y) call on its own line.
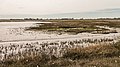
point(18, 24)
point(15, 31)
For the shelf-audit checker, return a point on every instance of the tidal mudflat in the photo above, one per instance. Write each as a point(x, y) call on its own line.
point(19, 40)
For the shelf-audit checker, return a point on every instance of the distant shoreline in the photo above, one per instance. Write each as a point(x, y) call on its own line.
point(42, 20)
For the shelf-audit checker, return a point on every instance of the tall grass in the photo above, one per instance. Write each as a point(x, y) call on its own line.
point(99, 56)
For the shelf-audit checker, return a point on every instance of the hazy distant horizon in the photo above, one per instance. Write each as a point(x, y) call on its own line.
point(59, 8)
point(44, 7)
point(105, 13)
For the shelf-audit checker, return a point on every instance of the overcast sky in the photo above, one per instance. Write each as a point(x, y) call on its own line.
point(42, 7)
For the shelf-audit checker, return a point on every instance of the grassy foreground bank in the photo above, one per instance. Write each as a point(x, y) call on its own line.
point(92, 56)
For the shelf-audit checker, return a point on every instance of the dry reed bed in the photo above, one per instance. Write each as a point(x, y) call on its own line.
point(56, 49)
point(102, 55)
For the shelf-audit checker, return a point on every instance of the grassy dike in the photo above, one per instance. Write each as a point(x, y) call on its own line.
point(92, 56)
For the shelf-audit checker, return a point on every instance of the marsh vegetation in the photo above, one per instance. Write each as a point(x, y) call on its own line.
point(104, 55)
point(95, 43)
point(78, 26)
